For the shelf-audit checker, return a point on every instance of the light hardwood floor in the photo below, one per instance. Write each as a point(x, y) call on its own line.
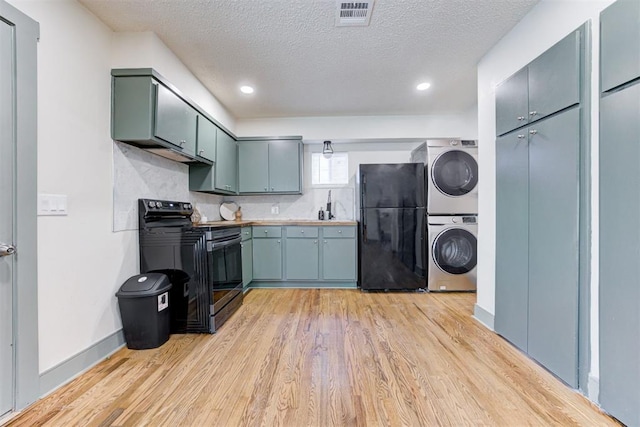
point(320, 358)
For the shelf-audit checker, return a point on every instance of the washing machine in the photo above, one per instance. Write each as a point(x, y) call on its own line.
point(453, 252)
point(452, 165)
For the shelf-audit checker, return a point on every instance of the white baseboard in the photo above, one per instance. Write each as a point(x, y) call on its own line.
point(593, 388)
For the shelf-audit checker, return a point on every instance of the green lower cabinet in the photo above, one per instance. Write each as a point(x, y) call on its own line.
point(302, 259)
point(339, 259)
point(267, 258)
point(247, 263)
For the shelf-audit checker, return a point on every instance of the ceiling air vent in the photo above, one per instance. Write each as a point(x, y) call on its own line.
point(354, 13)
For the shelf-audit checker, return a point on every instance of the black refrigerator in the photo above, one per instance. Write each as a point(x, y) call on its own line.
point(392, 232)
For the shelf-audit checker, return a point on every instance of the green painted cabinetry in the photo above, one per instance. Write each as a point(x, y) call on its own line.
point(550, 83)
point(270, 166)
point(302, 258)
point(207, 136)
point(226, 176)
point(619, 44)
point(247, 257)
point(305, 255)
point(267, 253)
point(539, 217)
point(339, 253)
point(619, 282)
point(151, 114)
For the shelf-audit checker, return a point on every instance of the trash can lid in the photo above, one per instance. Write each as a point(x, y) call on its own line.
point(144, 285)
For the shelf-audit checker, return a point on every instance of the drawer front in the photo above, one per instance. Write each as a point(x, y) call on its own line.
point(301, 232)
point(261, 231)
point(247, 233)
point(339, 231)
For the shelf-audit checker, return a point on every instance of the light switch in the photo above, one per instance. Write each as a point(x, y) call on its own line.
point(52, 204)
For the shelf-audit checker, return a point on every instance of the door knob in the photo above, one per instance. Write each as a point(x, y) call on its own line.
point(6, 250)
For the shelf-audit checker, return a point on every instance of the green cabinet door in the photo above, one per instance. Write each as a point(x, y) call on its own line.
point(619, 43)
point(284, 166)
point(554, 184)
point(267, 259)
point(253, 166)
point(554, 78)
point(302, 259)
point(512, 103)
point(175, 121)
point(206, 139)
point(339, 259)
point(619, 254)
point(247, 263)
point(512, 237)
point(226, 170)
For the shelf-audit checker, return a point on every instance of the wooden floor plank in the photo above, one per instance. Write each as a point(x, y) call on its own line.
point(321, 357)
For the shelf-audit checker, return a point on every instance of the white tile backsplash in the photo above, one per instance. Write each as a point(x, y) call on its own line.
point(304, 206)
point(140, 174)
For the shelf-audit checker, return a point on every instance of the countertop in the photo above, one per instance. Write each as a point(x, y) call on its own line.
point(246, 223)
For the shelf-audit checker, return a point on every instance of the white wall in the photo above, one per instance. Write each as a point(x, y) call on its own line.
point(81, 262)
point(545, 25)
point(364, 127)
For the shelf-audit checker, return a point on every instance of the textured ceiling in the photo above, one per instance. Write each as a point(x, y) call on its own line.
point(301, 64)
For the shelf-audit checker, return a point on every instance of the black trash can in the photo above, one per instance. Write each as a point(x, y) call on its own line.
point(144, 308)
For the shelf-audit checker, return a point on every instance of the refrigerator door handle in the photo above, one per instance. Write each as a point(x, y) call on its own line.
point(364, 230)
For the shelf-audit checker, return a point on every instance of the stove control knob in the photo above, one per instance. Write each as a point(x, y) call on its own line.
point(455, 220)
point(453, 142)
point(152, 204)
point(158, 204)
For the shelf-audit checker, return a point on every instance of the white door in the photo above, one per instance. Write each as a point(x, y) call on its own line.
point(7, 156)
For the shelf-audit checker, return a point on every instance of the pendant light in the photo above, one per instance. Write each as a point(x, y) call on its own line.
point(327, 150)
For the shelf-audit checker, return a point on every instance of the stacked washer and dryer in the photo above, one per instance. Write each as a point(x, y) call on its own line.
point(452, 211)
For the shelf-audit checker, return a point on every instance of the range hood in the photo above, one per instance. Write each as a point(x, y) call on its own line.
point(171, 154)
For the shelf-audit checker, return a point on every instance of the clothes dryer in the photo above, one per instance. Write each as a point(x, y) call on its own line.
point(452, 165)
point(453, 253)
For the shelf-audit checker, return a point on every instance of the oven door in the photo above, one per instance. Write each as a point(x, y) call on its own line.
point(225, 271)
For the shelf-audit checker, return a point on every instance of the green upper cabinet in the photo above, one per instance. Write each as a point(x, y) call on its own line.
point(206, 139)
point(550, 83)
point(512, 102)
point(619, 44)
point(152, 115)
point(175, 121)
point(226, 169)
point(253, 167)
point(270, 166)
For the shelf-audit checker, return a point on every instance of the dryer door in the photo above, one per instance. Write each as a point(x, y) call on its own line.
point(455, 173)
point(455, 251)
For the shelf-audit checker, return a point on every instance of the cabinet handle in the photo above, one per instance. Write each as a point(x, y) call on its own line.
point(265, 188)
point(315, 242)
point(325, 242)
point(340, 231)
point(521, 118)
point(302, 231)
point(521, 136)
point(272, 189)
point(533, 132)
point(278, 241)
point(182, 142)
point(533, 113)
point(266, 231)
point(201, 152)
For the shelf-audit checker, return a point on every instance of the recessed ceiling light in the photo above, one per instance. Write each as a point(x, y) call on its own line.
point(423, 86)
point(246, 89)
